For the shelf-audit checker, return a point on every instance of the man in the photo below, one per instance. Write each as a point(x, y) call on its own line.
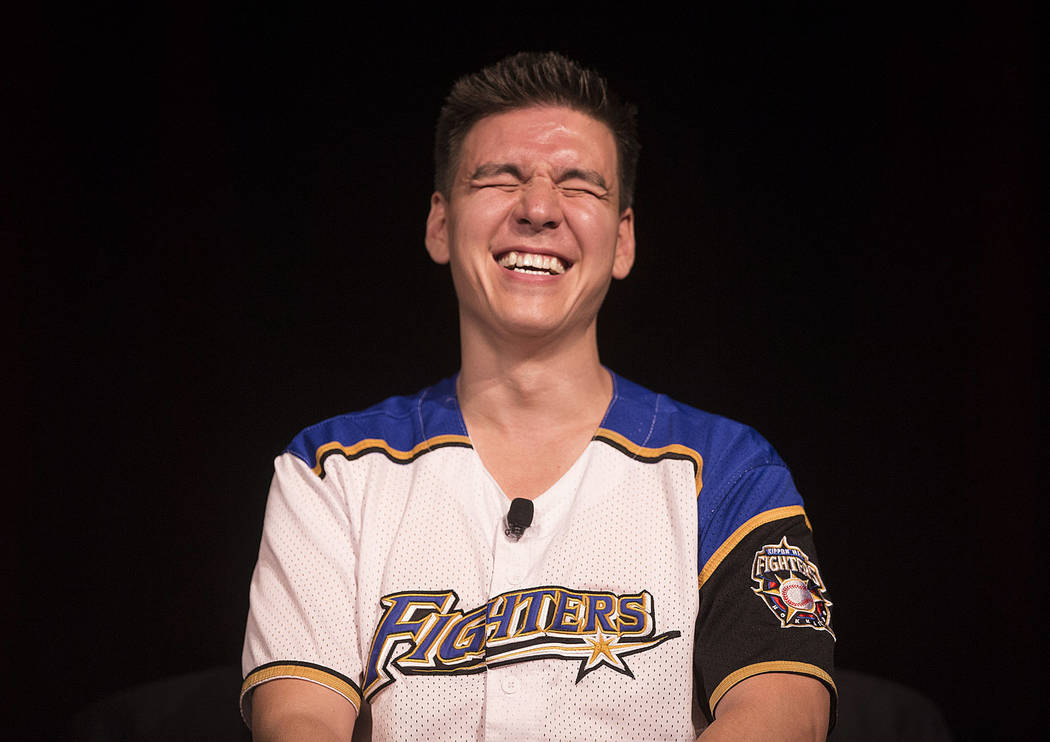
point(386, 577)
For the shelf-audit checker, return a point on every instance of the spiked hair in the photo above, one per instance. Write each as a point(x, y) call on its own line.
point(534, 79)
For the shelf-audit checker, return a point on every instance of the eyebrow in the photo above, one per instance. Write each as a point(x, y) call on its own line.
point(490, 169)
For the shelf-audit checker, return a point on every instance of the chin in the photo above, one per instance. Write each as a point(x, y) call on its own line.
point(543, 326)
point(532, 329)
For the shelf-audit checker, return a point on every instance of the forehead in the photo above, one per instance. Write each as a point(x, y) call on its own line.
point(540, 135)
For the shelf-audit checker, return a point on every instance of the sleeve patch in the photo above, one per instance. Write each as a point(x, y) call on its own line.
point(789, 583)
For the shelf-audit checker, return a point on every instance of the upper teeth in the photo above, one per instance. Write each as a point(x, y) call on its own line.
point(539, 263)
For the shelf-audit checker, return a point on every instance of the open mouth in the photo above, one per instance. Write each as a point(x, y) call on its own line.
point(540, 265)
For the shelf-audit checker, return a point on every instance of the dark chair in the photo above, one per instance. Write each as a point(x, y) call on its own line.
point(198, 706)
point(873, 709)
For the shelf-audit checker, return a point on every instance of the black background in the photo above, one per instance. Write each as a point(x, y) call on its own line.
point(215, 227)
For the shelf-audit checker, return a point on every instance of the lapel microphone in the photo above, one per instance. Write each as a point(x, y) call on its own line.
point(519, 517)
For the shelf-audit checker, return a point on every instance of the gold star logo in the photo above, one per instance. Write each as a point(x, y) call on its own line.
point(602, 645)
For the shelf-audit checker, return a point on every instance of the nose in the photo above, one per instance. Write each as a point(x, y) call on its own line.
point(539, 206)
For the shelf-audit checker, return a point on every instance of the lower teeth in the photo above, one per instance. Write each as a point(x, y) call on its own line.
point(530, 270)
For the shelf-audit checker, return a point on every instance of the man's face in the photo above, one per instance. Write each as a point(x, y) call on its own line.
point(532, 226)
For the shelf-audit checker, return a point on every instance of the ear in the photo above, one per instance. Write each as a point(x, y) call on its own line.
point(437, 229)
point(624, 257)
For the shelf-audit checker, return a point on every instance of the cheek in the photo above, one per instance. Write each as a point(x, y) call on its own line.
point(481, 217)
point(593, 228)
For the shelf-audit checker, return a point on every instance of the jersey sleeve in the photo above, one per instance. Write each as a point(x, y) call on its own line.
point(301, 621)
point(763, 603)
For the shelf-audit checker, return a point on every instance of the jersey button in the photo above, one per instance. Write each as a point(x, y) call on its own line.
point(510, 684)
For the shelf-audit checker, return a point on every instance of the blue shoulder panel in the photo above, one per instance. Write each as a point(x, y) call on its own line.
point(401, 422)
point(742, 475)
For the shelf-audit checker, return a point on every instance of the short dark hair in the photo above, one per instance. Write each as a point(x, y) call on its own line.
point(530, 79)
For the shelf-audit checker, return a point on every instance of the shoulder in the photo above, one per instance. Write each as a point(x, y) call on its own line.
point(740, 478)
point(398, 426)
point(724, 447)
point(741, 481)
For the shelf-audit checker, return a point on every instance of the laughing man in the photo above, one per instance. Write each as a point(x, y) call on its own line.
point(665, 586)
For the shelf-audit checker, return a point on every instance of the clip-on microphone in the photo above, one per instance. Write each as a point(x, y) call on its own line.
point(519, 517)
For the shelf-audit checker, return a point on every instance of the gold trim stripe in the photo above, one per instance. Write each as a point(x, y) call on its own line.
point(655, 453)
point(327, 679)
point(403, 457)
point(788, 511)
point(797, 668)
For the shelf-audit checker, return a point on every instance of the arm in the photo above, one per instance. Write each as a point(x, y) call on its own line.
point(793, 707)
point(764, 643)
point(289, 710)
point(301, 636)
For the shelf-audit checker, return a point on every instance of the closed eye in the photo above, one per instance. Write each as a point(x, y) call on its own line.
point(496, 175)
point(584, 182)
point(502, 183)
point(583, 189)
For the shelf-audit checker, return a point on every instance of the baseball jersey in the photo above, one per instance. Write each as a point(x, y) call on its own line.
point(671, 561)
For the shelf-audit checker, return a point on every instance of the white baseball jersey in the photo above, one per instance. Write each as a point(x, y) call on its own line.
point(671, 561)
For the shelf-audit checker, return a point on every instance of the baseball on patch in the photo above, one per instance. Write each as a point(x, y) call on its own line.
point(796, 594)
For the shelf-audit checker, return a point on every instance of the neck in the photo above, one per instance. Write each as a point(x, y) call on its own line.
point(516, 385)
